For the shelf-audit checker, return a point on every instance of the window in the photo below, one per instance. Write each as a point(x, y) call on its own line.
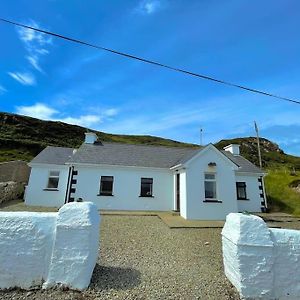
point(146, 187)
point(106, 185)
point(241, 190)
point(210, 186)
point(53, 180)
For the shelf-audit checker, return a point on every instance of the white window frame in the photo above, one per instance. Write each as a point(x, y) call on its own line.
point(211, 180)
point(241, 185)
point(53, 176)
point(150, 182)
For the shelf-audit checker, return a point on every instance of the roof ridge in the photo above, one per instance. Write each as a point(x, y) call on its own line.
point(148, 145)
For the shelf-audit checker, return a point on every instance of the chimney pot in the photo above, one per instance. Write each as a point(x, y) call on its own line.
point(90, 137)
point(233, 148)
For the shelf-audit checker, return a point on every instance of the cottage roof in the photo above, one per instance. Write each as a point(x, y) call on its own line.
point(131, 155)
point(53, 155)
point(244, 164)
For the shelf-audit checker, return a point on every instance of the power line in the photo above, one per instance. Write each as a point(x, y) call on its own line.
point(151, 62)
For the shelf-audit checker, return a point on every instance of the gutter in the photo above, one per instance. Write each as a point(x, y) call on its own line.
point(179, 166)
point(251, 173)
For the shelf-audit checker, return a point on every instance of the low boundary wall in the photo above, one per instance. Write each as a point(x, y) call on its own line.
point(46, 249)
point(261, 262)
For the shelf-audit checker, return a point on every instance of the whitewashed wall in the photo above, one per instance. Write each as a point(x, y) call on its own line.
point(58, 248)
point(36, 194)
point(253, 204)
point(26, 240)
point(126, 188)
point(262, 263)
point(226, 191)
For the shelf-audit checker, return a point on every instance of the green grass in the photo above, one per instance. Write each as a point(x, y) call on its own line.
point(281, 197)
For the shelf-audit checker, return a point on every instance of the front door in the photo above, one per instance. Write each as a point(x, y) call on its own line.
point(177, 192)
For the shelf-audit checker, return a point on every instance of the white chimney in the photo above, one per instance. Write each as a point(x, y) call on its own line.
point(233, 148)
point(90, 138)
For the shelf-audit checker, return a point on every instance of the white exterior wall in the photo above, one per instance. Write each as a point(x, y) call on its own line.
point(58, 248)
point(261, 262)
point(36, 194)
point(126, 187)
point(226, 191)
point(253, 204)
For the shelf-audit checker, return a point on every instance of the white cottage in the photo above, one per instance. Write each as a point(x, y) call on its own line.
point(203, 183)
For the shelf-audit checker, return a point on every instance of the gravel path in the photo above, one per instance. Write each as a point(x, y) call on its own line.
point(141, 258)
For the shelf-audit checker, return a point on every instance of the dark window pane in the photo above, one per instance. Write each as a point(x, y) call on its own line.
point(146, 187)
point(53, 182)
point(147, 180)
point(210, 190)
point(54, 173)
point(106, 185)
point(107, 178)
point(241, 190)
point(210, 176)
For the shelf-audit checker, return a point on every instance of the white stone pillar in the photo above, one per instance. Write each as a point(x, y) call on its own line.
point(248, 255)
point(75, 248)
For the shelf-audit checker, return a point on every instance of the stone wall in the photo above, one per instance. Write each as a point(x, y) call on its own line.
point(48, 249)
point(17, 171)
point(261, 262)
point(10, 190)
point(14, 176)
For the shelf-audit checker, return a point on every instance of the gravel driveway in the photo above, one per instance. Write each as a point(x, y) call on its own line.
point(141, 258)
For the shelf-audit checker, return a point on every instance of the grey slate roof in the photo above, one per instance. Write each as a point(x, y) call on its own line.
point(53, 155)
point(131, 155)
point(244, 164)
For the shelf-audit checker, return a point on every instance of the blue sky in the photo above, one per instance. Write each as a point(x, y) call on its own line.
point(252, 43)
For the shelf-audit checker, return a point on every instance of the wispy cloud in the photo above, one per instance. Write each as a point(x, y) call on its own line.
point(23, 78)
point(2, 89)
point(35, 43)
point(162, 122)
point(45, 112)
point(33, 60)
point(111, 112)
point(149, 6)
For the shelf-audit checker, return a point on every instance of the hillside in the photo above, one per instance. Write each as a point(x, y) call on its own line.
point(24, 137)
point(272, 155)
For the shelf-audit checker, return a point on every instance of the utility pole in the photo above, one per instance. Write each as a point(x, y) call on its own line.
point(201, 136)
point(258, 145)
point(260, 163)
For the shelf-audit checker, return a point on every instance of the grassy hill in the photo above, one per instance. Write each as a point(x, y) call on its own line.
point(24, 137)
point(272, 156)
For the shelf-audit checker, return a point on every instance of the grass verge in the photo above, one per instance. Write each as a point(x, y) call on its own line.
point(281, 197)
